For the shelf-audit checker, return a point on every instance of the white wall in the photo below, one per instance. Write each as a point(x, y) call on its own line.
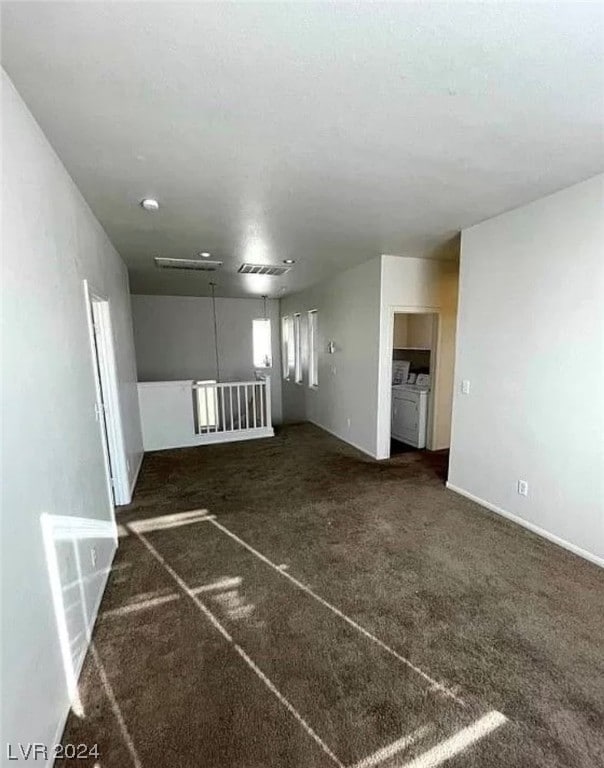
point(531, 341)
point(174, 340)
point(348, 314)
point(401, 330)
point(413, 331)
point(425, 285)
point(356, 311)
point(52, 458)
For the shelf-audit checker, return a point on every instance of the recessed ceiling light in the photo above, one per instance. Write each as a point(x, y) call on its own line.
point(149, 204)
point(289, 261)
point(205, 254)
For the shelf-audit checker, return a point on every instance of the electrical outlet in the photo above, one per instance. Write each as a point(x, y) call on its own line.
point(348, 422)
point(465, 387)
point(93, 556)
point(523, 487)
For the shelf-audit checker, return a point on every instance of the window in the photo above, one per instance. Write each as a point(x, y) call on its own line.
point(297, 349)
point(261, 341)
point(291, 349)
point(287, 346)
point(313, 349)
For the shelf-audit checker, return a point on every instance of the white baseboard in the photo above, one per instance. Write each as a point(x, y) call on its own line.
point(236, 436)
point(343, 439)
point(215, 438)
point(530, 526)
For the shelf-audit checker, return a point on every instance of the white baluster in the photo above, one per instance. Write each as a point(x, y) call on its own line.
point(261, 395)
point(267, 392)
point(238, 407)
point(223, 425)
point(206, 414)
point(231, 405)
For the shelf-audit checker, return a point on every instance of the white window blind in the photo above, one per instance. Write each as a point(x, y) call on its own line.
point(287, 350)
point(313, 348)
point(297, 349)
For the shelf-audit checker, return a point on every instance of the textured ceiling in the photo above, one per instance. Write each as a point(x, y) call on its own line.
point(326, 133)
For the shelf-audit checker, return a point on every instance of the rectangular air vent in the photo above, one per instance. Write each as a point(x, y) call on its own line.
point(262, 269)
point(192, 264)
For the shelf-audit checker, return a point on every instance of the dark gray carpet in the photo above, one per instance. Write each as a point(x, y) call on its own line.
point(505, 621)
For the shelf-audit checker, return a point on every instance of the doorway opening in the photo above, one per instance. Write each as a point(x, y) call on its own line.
point(107, 409)
point(413, 377)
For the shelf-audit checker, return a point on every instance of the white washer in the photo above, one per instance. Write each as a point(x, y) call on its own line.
point(410, 414)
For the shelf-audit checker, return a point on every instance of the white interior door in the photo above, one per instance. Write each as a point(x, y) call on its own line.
point(107, 398)
point(102, 398)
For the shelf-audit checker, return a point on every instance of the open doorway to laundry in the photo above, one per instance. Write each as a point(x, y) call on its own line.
point(107, 408)
point(414, 342)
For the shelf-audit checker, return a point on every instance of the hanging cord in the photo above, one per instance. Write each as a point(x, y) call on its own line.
point(264, 300)
point(213, 286)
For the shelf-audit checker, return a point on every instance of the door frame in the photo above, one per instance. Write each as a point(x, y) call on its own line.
point(100, 336)
point(384, 412)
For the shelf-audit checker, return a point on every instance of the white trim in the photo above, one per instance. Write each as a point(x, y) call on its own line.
point(530, 526)
point(385, 374)
point(98, 312)
point(343, 439)
point(98, 395)
point(135, 477)
point(232, 436)
point(219, 437)
point(102, 308)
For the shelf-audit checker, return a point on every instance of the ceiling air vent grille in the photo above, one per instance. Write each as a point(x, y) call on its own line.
point(262, 269)
point(192, 264)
